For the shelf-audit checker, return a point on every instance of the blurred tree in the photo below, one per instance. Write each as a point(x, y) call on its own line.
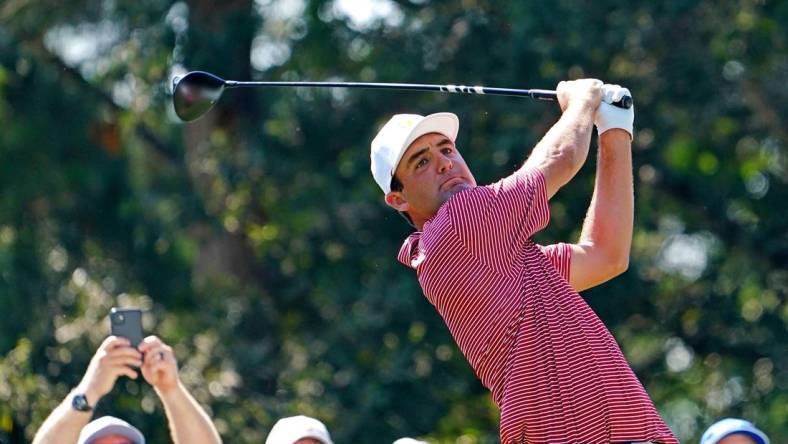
point(261, 247)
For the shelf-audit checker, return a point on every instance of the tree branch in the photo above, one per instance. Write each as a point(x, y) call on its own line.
point(162, 149)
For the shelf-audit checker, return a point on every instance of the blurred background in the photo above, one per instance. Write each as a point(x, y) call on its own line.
point(262, 250)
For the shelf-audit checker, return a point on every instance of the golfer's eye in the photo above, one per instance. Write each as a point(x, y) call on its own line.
point(447, 151)
point(421, 163)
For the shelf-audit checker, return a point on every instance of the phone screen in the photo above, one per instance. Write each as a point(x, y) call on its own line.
point(126, 323)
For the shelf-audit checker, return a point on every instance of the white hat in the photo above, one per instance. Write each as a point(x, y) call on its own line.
point(730, 426)
point(396, 136)
point(290, 430)
point(109, 425)
point(409, 441)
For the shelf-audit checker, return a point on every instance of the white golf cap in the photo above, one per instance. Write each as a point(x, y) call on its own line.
point(396, 136)
point(109, 425)
point(409, 441)
point(731, 426)
point(290, 430)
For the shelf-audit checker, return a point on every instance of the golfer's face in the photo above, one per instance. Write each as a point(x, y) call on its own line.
point(431, 171)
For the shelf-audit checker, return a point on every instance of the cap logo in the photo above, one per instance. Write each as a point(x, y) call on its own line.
point(407, 123)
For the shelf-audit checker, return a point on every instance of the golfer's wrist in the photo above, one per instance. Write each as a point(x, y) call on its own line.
point(579, 113)
point(615, 138)
point(583, 105)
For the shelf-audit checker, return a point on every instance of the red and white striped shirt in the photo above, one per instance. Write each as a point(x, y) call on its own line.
point(554, 370)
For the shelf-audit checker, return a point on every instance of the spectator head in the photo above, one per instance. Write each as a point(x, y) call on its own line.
point(733, 431)
point(110, 430)
point(409, 441)
point(299, 430)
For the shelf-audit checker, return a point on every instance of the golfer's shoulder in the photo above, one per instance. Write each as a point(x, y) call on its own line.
point(477, 200)
point(524, 179)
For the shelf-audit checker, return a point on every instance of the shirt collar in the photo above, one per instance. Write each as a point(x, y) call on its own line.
point(409, 253)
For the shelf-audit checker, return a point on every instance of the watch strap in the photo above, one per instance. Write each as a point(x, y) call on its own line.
point(79, 402)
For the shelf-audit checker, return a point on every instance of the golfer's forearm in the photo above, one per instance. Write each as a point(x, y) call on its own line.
point(189, 423)
point(63, 425)
point(608, 225)
point(564, 149)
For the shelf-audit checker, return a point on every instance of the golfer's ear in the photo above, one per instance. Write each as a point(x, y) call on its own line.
point(396, 200)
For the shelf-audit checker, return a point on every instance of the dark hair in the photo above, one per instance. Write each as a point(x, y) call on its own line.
point(396, 185)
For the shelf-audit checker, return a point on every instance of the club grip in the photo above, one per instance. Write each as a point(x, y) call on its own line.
point(625, 102)
point(543, 94)
point(546, 94)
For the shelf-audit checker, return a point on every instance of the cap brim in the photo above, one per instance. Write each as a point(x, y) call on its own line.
point(316, 436)
point(757, 438)
point(134, 435)
point(442, 123)
point(322, 439)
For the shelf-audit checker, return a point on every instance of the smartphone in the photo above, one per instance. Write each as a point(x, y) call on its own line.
point(126, 323)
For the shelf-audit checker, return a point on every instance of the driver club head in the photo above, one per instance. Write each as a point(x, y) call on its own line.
point(195, 93)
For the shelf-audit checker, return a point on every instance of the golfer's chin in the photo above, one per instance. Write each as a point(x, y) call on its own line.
point(454, 187)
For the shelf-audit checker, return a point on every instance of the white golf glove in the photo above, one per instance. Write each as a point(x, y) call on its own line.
point(609, 116)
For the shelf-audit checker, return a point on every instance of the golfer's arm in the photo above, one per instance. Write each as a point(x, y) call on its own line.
point(563, 150)
point(189, 423)
point(63, 425)
point(602, 251)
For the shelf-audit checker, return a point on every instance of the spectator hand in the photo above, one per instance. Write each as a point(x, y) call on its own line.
point(159, 366)
point(115, 357)
point(608, 116)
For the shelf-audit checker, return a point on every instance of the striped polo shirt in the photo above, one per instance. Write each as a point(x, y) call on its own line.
point(554, 370)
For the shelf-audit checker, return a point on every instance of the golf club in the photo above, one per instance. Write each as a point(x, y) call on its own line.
point(196, 92)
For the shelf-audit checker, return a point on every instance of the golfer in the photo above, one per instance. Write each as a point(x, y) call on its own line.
point(513, 307)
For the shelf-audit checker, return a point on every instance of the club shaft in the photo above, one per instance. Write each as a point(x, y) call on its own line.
point(541, 94)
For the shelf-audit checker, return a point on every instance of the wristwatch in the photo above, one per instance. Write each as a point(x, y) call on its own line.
point(80, 403)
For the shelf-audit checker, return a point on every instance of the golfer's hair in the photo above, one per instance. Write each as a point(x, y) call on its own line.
point(396, 185)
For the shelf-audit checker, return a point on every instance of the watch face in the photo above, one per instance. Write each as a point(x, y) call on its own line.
point(80, 402)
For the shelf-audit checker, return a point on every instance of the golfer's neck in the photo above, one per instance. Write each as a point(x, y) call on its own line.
point(419, 223)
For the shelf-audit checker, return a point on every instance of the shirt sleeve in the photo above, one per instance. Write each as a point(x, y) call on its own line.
point(495, 221)
point(522, 198)
point(560, 255)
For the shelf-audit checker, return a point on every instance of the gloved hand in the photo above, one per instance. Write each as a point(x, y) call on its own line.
point(608, 116)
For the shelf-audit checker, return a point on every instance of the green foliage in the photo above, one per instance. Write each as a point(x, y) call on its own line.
point(262, 249)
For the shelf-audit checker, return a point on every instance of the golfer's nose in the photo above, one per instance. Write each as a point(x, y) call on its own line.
point(444, 164)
